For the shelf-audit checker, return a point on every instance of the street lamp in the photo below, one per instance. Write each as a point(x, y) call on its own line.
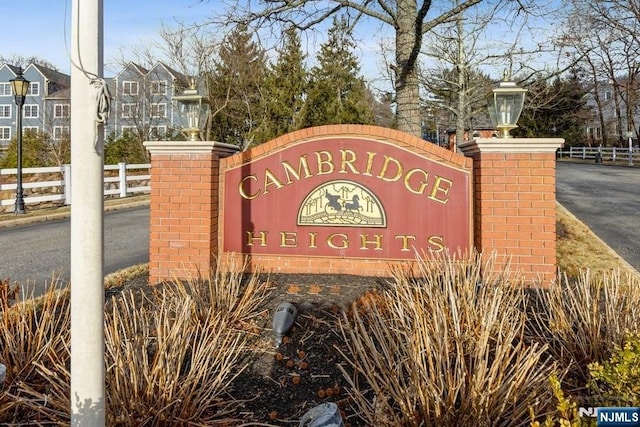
point(193, 109)
point(505, 105)
point(20, 87)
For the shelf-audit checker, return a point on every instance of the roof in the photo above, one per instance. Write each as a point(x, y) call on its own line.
point(52, 75)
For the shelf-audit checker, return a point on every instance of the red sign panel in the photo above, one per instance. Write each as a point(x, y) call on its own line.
point(346, 197)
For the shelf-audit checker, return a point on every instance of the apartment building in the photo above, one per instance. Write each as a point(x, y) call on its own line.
point(46, 108)
point(141, 102)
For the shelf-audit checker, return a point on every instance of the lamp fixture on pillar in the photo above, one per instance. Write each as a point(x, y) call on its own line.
point(194, 110)
point(20, 87)
point(505, 105)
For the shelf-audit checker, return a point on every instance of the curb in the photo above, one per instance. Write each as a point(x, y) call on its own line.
point(66, 214)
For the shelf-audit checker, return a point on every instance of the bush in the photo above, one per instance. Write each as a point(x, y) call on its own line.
point(441, 348)
point(617, 380)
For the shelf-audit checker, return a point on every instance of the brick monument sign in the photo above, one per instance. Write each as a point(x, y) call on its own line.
point(350, 199)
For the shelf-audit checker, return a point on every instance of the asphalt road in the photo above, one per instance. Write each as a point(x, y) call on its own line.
point(33, 254)
point(607, 199)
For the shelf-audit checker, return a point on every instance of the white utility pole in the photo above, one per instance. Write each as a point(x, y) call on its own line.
point(87, 241)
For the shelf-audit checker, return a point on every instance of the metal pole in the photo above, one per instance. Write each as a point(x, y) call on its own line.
point(19, 207)
point(87, 234)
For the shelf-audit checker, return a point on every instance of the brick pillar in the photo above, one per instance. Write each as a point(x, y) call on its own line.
point(514, 184)
point(185, 181)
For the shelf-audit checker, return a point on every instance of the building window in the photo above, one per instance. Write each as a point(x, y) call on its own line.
point(158, 110)
point(30, 130)
point(129, 88)
point(61, 111)
point(5, 89)
point(5, 133)
point(129, 110)
point(159, 87)
point(607, 95)
point(157, 131)
point(34, 89)
point(31, 111)
point(60, 132)
point(5, 111)
point(128, 130)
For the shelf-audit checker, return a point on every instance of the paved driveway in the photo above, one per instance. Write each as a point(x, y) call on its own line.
point(607, 199)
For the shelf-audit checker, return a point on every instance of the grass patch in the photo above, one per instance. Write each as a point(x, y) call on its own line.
point(579, 248)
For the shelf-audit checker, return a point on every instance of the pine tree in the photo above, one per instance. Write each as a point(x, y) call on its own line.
point(285, 90)
point(555, 109)
point(235, 88)
point(337, 92)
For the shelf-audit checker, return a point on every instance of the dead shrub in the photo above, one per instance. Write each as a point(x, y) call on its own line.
point(445, 347)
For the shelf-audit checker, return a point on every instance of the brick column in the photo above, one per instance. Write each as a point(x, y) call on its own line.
point(515, 202)
point(185, 181)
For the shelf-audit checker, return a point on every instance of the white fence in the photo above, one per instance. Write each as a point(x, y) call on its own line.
point(53, 184)
point(609, 154)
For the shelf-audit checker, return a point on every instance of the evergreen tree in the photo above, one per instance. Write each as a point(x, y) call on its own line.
point(337, 92)
point(285, 90)
point(38, 150)
point(235, 88)
point(556, 109)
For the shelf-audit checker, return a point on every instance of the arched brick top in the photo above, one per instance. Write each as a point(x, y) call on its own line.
point(375, 133)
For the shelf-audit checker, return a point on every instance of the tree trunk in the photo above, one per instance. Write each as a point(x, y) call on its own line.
point(408, 43)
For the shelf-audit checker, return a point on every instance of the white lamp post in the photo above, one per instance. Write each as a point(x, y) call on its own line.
point(505, 105)
point(194, 110)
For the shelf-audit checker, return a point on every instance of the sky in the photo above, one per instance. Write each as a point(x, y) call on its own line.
point(42, 28)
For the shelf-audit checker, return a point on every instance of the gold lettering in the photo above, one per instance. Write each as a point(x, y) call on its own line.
point(262, 238)
point(405, 241)
point(270, 179)
point(377, 242)
point(385, 166)
point(302, 166)
point(313, 237)
point(370, 157)
point(423, 183)
point(438, 188)
point(436, 244)
point(288, 239)
point(326, 162)
point(348, 161)
point(242, 190)
point(344, 242)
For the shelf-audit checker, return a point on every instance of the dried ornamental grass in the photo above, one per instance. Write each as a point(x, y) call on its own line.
point(227, 291)
point(166, 365)
point(441, 349)
point(584, 319)
point(171, 353)
point(33, 333)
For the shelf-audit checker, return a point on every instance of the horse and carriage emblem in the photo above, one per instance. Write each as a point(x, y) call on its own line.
point(342, 203)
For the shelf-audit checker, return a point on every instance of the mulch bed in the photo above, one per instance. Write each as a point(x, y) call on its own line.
point(282, 383)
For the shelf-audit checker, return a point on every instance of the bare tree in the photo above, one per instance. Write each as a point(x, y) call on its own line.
point(409, 19)
point(605, 38)
point(459, 53)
